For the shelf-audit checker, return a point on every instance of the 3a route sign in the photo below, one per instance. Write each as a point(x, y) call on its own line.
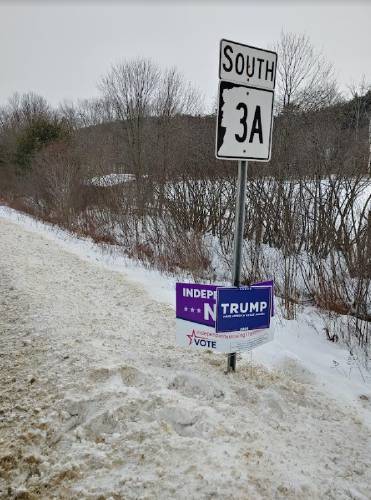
point(244, 125)
point(245, 104)
point(248, 65)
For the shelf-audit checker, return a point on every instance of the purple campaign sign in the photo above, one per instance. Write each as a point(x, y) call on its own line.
point(196, 303)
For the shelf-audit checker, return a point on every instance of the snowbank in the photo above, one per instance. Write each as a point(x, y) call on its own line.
point(98, 402)
point(110, 180)
point(299, 345)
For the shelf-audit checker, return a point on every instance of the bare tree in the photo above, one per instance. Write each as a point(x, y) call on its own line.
point(176, 96)
point(87, 112)
point(358, 105)
point(130, 88)
point(21, 109)
point(305, 78)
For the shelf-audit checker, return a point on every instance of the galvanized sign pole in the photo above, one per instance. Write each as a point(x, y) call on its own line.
point(238, 239)
point(244, 125)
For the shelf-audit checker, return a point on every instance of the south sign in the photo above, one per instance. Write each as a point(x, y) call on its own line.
point(247, 65)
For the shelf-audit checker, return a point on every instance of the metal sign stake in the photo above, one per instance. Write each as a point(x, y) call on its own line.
point(238, 240)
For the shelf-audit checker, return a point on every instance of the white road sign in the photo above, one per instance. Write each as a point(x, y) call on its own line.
point(244, 126)
point(247, 65)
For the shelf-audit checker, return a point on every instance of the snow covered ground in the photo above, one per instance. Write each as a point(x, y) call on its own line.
point(96, 401)
point(110, 180)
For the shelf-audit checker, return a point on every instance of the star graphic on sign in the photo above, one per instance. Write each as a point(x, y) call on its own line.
point(198, 310)
point(191, 336)
point(192, 310)
point(186, 309)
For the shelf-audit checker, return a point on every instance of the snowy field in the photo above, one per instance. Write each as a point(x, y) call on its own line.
point(96, 401)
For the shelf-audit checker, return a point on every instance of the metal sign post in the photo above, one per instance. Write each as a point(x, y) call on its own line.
point(247, 77)
point(238, 239)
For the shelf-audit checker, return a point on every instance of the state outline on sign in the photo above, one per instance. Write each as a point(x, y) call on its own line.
point(219, 119)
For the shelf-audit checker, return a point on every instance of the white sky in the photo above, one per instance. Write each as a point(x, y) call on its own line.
point(60, 49)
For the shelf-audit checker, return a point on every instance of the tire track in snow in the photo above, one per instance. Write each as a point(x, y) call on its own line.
point(99, 402)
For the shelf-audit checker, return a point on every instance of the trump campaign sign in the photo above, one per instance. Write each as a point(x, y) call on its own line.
point(243, 309)
point(223, 319)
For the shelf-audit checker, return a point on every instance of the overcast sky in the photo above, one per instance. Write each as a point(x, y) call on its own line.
point(61, 49)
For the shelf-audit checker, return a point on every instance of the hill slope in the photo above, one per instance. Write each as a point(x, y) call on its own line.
point(97, 400)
